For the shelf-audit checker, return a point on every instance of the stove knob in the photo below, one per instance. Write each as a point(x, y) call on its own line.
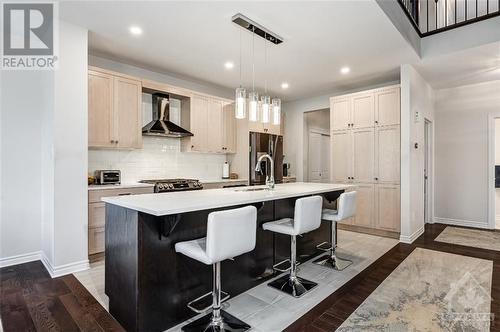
point(160, 186)
point(170, 186)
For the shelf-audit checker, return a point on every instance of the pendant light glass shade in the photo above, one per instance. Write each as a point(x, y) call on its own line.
point(266, 109)
point(240, 109)
point(253, 106)
point(276, 111)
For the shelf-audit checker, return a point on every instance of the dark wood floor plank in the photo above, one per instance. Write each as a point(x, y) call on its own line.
point(32, 301)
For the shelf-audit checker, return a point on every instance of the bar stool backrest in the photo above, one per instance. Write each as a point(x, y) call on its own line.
point(231, 233)
point(307, 214)
point(346, 205)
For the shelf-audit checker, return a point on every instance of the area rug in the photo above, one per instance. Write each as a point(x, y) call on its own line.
point(429, 291)
point(470, 238)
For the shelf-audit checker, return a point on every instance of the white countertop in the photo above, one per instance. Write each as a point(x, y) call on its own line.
point(120, 186)
point(179, 202)
point(223, 180)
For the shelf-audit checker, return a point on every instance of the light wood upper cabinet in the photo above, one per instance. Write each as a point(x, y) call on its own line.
point(388, 207)
point(198, 124)
point(388, 106)
point(115, 113)
point(341, 156)
point(340, 113)
point(128, 112)
point(363, 155)
point(214, 122)
point(365, 205)
point(229, 128)
point(100, 104)
point(387, 161)
point(363, 110)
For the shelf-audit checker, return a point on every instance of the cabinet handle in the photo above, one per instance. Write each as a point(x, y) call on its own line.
point(112, 141)
point(376, 179)
point(192, 146)
point(376, 122)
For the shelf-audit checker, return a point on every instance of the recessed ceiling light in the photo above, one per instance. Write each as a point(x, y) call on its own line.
point(229, 65)
point(284, 85)
point(135, 30)
point(345, 70)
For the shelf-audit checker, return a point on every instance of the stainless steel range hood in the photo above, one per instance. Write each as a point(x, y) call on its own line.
point(161, 124)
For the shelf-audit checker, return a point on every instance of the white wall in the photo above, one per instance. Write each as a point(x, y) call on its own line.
point(25, 97)
point(416, 96)
point(295, 128)
point(461, 188)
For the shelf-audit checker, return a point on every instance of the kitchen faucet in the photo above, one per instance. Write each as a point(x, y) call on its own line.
point(269, 179)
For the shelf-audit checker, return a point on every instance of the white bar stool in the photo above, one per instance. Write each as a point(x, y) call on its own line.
point(230, 233)
point(307, 217)
point(346, 208)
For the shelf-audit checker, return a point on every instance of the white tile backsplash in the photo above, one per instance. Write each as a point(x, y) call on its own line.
point(160, 157)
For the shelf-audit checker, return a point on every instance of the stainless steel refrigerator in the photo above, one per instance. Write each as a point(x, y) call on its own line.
point(261, 144)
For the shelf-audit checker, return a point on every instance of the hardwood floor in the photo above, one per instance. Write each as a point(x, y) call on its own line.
point(335, 309)
point(32, 301)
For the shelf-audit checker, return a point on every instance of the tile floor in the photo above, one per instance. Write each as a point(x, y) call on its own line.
point(267, 309)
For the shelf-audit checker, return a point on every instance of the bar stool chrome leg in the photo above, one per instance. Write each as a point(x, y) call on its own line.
point(218, 320)
point(291, 283)
point(332, 260)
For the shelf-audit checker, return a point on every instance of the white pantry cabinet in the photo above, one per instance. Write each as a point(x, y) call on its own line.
point(365, 151)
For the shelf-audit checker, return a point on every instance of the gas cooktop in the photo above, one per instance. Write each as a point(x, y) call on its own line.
point(170, 185)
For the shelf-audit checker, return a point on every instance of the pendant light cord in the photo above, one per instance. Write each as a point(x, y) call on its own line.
point(265, 63)
point(253, 59)
point(241, 64)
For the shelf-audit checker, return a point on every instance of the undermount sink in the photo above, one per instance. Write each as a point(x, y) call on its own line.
point(252, 189)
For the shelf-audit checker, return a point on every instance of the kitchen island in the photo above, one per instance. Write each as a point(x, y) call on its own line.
point(149, 284)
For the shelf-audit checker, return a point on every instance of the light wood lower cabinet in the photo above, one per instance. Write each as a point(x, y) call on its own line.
point(97, 214)
point(388, 207)
point(365, 205)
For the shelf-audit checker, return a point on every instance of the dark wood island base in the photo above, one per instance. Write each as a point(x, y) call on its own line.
point(149, 284)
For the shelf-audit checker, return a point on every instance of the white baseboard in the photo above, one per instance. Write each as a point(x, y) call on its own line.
point(61, 270)
point(20, 259)
point(412, 237)
point(463, 223)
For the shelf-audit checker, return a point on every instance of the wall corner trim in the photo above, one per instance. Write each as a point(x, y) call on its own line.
point(61, 270)
point(409, 239)
point(20, 259)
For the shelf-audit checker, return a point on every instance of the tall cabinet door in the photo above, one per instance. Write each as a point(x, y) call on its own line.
point(100, 109)
point(214, 122)
point(363, 155)
point(387, 155)
point(198, 123)
point(388, 107)
point(341, 156)
point(340, 113)
point(388, 207)
point(128, 117)
point(365, 205)
point(363, 110)
point(229, 124)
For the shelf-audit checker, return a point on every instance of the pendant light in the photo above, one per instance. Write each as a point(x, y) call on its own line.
point(276, 111)
point(240, 111)
point(266, 99)
point(253, 97)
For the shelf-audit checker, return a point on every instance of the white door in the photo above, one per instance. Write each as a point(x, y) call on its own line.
point(427, 167)
point(314, 157)
point(319, 157)
point(325, 158)
point(387, 155)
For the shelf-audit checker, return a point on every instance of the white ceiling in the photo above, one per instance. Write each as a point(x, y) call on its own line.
point(195, 39)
